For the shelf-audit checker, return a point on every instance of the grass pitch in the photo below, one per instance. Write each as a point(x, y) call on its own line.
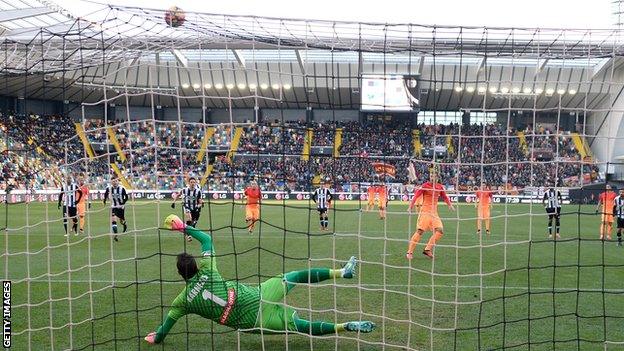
point(503, 291)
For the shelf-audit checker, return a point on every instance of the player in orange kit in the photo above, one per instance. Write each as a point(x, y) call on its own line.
point(606, 201)
point(252, 208)
point(82, 203)
point(483, 204)
point(371, 193)
point(382, 192)
point(428, 219)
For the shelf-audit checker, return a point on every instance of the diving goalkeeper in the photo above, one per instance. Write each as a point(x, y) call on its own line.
point(240, 306)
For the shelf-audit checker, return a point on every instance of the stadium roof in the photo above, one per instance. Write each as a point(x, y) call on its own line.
point(127, 49)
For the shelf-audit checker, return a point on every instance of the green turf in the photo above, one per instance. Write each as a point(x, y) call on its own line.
point(106, 307)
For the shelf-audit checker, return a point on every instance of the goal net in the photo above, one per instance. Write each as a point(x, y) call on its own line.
point(370, 111)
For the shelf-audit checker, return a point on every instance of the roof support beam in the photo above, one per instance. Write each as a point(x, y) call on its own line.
point(182, 60)
point(133, 61)
point(602, 67)
point(301, 62)
point(481, 64)
point(360, 63)
point(421, 65)
point(239, 57)
point(542, 64)
point(11, 15)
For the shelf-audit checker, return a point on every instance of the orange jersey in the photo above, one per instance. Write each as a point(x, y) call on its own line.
point(606, 199)
point(253, 195)
point(430, 194)
point(85, 194)
point(371, 191)
point(484, 197)
point(382, 191)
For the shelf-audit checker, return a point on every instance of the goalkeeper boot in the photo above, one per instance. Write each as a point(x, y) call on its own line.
point(348, 271)
point(428, 253)
point(363, 326)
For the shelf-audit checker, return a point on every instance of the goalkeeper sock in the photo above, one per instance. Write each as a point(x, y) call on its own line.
point(550, 230)
point(114, 225)
point(65, 226)
point(316, 328)
point(313, 275)
point(125, 226)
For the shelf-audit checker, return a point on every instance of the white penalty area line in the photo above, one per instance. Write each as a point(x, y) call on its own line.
point(365, 285)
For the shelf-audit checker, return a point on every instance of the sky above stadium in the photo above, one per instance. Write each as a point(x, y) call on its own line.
point(594, 14)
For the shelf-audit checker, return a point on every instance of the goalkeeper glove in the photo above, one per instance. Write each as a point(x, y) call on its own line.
point(151, 338)
point(173, 222)
point(173, 205)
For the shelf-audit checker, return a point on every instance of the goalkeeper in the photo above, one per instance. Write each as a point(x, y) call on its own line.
point(240, 306)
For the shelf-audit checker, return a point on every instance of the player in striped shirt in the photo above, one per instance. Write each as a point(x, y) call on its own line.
point(119, 197)
point(322, 196)
point(192, 201)
point(244, 307)
point(552, 203)
point(618, 210)
point(69, 197)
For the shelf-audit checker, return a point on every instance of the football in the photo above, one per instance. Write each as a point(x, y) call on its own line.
point(175, 17)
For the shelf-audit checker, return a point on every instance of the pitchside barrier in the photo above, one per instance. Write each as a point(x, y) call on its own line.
point(18, 196)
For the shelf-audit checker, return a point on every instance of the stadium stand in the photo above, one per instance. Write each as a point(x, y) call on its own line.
point(270, 151)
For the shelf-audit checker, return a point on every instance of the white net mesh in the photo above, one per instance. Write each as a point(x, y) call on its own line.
point(292, 104)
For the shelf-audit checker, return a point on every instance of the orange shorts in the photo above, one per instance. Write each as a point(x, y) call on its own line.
point(428, 222)
point(607, 217)
point(483, 212)
point(82, 209)
point(252, 212)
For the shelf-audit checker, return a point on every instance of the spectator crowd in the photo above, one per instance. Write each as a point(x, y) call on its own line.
point(37, 150)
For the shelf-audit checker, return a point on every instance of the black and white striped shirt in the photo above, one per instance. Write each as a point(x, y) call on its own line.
point(322, 197)
point(618, 207)
point(191, 198)
point(552, 198)
point(118, 196)
point(68, 195)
